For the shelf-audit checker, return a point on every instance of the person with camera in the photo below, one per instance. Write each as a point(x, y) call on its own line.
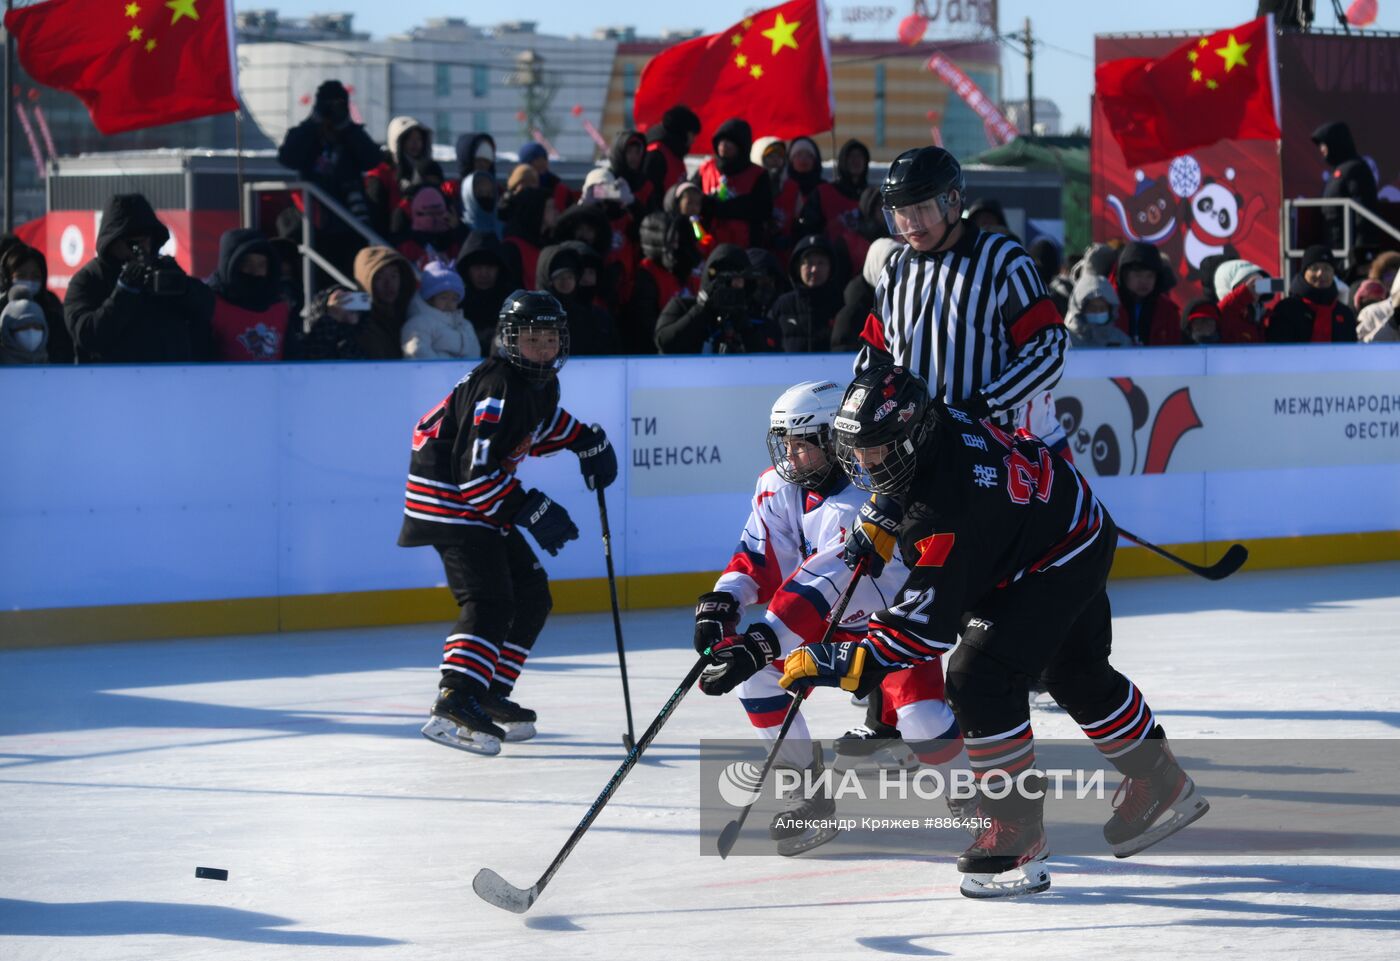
point(132, 305)
point(724, 318)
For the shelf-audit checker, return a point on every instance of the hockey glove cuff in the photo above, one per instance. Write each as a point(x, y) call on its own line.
point(549, 522)
point(873, 534)
point(739, 657)
point(826, 665)
point(596, 458)
point(716, 615)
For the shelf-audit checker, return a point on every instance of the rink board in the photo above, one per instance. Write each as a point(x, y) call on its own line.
point(183, 500)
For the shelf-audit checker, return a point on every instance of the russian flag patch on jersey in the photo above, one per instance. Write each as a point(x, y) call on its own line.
point(934, 549)
point(488, 411)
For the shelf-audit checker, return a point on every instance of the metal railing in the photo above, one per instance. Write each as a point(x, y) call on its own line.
point(1288, 251)
point(310, 258)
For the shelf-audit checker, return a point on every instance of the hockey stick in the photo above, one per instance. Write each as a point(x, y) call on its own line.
point(1231, 561)
point(629, 741)
point(730, 834)
point(494, 889)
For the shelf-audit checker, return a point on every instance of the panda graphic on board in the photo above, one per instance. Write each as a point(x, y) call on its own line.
point(1104, 419)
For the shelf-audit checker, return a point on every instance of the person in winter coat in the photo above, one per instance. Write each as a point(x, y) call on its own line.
point(479, 202)
point(590, 327)
point(487, 283)
point(667, 145)
point(1146, 313)
point(430, 232)
point(24, 330)
point(436, 328)
point(129, 304)
point(669, 260)
point(769, 281)
point(25, 269)
point(797, 188)
point(1367, 292)
point(408, 144)
point(602, 190)
point(476, 153)
point(536, 156)
point(723, 318)
point(530, 215)
point(332, 152)
point(1234, 312)
point(626, 160)
point(337, 331)
point(1312, 312)
point(1349, 178)
point(835, 207)
point(1385, 268)
point(1380, 322)
point(738, 199)
point(1089, 319)
point(804, 316)
point(250, 316)
point(858, 299)
point(770, 153)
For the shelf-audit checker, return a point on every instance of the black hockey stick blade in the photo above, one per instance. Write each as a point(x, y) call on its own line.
point(494, 889)
point(728, 836)
point(1232, 561)
point(627, 742)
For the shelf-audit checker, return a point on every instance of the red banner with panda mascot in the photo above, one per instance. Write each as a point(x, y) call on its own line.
point(1221, 199)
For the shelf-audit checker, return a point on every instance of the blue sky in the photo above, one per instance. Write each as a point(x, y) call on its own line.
point(1064, 72)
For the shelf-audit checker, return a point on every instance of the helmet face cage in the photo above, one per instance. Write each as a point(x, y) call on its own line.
point(802, 457)
point(882, 468)
point(509, 334)
point(881, 425)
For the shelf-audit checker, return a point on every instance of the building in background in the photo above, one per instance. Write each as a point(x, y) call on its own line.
point(1047, 117)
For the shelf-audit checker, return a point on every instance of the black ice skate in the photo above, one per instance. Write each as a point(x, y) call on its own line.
point(460, 721)
point(1151, 808)
point(1006, 859)
point(872, 749)
point(518, 722)
point(808, 822)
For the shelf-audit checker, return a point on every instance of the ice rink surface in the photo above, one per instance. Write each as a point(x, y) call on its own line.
point(295, 763)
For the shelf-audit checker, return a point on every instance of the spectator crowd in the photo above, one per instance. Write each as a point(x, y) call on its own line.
point(756, 251)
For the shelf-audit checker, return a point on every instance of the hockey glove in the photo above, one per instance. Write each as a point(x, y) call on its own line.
point(596, 458)
point(739, 657)
point(872, 536)
point(827, 665)
point(716, 615)
point(548, 521)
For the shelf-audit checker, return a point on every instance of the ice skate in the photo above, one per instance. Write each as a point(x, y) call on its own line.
point(1151, 808)
point(1006, 860)
point(866, 749)
point(459, 721)
point(808, 822)
point(518, 722)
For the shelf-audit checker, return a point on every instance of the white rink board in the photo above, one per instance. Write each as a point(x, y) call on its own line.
point(129, 485)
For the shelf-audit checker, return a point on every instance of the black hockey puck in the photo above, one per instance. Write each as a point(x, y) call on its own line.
point(213, 874)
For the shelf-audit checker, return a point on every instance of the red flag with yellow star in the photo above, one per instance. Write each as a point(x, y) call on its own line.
point(772, 69)
point(133, 63)
point(1220, 87)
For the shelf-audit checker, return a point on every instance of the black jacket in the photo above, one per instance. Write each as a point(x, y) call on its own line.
point(333, 158)
point(804, 315)
point(112, 325)
point(483, 307)
point(1293, 319)
point(709, 324)
point(1351, 179)
point(858, 300)
point(591, 331)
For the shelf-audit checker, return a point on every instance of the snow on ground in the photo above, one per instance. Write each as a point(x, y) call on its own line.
point(295, 763)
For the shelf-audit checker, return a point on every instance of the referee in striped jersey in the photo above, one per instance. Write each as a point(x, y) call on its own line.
point(967, 312)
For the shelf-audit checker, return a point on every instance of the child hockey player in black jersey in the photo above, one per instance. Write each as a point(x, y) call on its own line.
point(464, 499)
point(1007, 545)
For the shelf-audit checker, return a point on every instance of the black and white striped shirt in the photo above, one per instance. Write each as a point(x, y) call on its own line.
point(972, 319)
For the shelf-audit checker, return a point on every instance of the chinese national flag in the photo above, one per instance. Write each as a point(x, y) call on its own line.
point(133, 63)
point(1219, 87)
point(771, 69)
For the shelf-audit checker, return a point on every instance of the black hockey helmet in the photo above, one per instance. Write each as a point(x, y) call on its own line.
point(922, 176)
point(524, 317)
point(879, 427)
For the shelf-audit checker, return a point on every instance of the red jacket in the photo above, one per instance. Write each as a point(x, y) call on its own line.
point(243, 334)
point(675, 166)
point(729, 230)
point(1233, 315)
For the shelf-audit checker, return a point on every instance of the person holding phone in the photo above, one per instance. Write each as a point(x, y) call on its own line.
point(1235, 311)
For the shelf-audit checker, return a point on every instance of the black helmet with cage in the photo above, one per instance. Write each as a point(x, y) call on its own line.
point(923, 187)
point(530, 322)
point(879, 428)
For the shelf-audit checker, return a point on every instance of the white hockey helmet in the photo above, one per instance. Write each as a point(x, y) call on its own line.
point(804, 413)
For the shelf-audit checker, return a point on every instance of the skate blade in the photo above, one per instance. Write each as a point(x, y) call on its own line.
point(1042, 701)
point(859, 701)
point(440, 730)
point(1033, 879)
point(519, 731)
point(884, 759)
point(790, 847)
point(1185, 811)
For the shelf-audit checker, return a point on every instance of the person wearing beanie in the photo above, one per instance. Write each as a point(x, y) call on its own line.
point(801, 177)
point(537, 156)
point(1313, 311)
point(333, 152)
point(250, 317)
point(25, 268)
point(436, 328)
point(859, 295)
point(1379, 323)
point(1229, 310)
point(429, 231)
point(667, 145)
point(24, 331)
point(1146, 312)
point(1089, 318)
point(738, 196)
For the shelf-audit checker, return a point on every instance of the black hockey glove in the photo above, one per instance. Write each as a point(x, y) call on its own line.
point(596, 458)
point(739, 657)
point(716, 615)
point(548, 521)
point(872, 536)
